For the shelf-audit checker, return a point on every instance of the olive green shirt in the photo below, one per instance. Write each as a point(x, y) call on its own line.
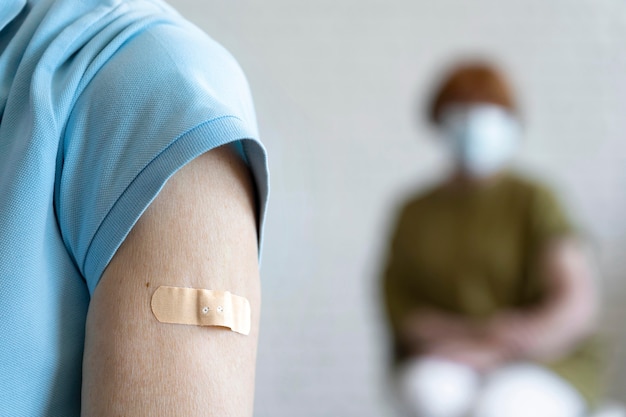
point(475, 252)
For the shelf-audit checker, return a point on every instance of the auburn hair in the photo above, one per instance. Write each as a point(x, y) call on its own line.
point(472, 83)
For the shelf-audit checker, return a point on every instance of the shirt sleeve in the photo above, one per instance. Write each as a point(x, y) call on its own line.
point(168, 95)
point(398, 297)
point(547, 222)
point(548, 219)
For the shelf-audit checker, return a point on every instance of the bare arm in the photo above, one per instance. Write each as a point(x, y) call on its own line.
point(199, 232)
point(568, 314)
point(426, 328)
point(543, 333)
point(453, 337)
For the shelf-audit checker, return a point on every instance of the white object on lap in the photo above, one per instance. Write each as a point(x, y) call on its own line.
point(524, 390)
point(431, 387)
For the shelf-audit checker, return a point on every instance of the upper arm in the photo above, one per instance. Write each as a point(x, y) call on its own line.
point(570, 280)
point(199, 232)
point(563, 263)
point(398, 300)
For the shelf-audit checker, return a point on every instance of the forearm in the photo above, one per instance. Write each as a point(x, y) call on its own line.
point(568, 314)
point(545, 334)
point(426, 329)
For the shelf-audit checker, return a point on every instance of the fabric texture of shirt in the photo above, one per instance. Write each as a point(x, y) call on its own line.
point(101, 102)
point(475, 253)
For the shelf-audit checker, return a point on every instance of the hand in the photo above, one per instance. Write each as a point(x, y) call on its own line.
point(432, 326)
point(481, 355)
point(511, 329)
point(554, 327)
point(527, 335)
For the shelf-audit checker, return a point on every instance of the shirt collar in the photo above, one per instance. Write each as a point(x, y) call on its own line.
point(9, 9)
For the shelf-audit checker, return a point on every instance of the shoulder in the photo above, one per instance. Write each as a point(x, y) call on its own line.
point(166, 38)
point(164, 54)
point(102, 54)
point(529, 188)
point(547, 215)
point(419, 202)
point(159, 93)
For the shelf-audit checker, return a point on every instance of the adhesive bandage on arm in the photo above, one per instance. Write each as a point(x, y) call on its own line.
point(200, 307)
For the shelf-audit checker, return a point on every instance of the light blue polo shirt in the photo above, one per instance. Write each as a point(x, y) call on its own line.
point(101, 102)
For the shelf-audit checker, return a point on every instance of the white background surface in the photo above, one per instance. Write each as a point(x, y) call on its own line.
point(338, 86)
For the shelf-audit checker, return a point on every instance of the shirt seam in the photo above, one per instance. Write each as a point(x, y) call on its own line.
point(139, 174)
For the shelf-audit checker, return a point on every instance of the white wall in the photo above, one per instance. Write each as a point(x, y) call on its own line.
point(336, 84)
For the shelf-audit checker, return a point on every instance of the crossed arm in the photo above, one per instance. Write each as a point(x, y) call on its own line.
point(200, 232)
point(545, 332)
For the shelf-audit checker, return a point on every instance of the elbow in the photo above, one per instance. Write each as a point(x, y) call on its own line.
point(586, 316)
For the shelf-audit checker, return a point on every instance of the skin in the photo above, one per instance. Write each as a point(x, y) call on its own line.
point(545, 332)
point(199, 232)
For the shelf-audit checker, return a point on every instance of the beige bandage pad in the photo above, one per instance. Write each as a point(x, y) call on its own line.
point(201, 308)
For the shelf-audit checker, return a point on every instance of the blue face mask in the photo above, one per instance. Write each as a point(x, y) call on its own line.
point(483, 137)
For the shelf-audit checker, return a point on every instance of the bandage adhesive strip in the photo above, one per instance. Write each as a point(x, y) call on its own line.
point(200, 307)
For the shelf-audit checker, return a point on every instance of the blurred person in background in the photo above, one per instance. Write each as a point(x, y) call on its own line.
point(489, 293)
